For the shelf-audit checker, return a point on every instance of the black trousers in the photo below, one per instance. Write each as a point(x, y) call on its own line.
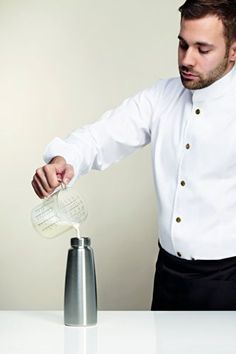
point(182, 284)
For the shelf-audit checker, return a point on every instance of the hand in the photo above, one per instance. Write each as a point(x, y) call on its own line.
point(47, 178)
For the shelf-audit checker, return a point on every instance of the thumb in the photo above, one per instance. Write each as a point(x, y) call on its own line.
point(68, 174)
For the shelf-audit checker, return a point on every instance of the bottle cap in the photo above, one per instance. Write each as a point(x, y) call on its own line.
point(80, 242)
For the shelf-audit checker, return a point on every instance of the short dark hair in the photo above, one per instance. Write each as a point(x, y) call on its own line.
point(225, 10)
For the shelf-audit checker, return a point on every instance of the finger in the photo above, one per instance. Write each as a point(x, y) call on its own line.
point(59, 177)
point(53, 178)
point(47, 178)
point(43, 192)
point(36, 189)
point(68, 174)
point(41, 179)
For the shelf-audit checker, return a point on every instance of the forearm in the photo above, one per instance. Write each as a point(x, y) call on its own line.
point(117, 134)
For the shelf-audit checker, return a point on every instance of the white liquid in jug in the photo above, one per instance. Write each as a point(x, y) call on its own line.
point(61, 214)
point(66, 226)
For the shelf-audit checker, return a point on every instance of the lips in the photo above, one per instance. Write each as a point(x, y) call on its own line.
point(188, 75)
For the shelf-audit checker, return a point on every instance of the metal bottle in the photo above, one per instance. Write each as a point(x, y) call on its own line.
point(80, 299)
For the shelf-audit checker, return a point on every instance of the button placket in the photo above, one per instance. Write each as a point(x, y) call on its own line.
point(180, 220)
point(182, 181)
point(180, 211)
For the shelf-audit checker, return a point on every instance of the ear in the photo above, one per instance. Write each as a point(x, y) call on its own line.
point(232, 52)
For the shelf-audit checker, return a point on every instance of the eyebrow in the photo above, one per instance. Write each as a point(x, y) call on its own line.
point(198, 43)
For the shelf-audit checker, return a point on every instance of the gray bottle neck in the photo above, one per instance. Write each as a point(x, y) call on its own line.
point(78, 242)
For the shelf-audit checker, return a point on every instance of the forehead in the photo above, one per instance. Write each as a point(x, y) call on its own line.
point(208, 29)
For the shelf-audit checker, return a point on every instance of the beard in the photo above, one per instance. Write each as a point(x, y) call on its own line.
point(202, 81)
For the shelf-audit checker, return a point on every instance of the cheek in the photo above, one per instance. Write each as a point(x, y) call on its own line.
point(214, 60)
point(206, 62)
point(210, 64)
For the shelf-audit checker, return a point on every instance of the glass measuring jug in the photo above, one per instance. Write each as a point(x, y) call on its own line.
point(59, 214)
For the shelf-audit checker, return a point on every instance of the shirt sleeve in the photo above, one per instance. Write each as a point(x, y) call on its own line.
point(118, 133)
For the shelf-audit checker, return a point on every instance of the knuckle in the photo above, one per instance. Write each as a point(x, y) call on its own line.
point(47, 168)
point(38, 171)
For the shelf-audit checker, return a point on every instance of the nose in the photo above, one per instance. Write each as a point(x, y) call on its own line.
point(188, 58)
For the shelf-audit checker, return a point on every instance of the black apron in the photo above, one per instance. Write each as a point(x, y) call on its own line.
point(182, 284)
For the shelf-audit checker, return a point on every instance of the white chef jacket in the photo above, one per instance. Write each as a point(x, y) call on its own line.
point(193, 144)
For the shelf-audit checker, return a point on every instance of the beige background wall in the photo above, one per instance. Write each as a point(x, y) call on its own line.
point(62, 64)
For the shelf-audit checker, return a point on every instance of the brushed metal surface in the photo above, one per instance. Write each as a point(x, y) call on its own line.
point(80, 298)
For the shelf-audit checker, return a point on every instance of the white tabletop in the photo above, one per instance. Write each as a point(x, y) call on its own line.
point(133, 332)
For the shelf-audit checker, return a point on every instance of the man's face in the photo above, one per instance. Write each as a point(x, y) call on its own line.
point(203, 55)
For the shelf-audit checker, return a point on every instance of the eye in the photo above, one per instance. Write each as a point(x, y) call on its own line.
point(183, 45)
point(204, 51)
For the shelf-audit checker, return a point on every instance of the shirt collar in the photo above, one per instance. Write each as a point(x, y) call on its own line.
point(217, 89)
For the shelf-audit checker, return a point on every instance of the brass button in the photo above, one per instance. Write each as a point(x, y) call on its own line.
point(178, 219)
point(187, 146)
point(183, 183)
point(198, 111)
point(179, 254)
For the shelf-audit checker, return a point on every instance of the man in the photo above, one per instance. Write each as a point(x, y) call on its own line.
point(191, 124)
